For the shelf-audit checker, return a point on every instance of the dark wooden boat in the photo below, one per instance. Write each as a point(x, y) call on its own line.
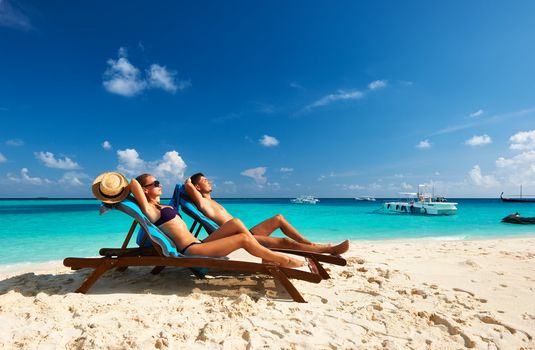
point(517, 219)
point(518, 199)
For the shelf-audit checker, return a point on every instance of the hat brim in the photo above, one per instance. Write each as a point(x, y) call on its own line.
point(95, 188)
point(107, 199)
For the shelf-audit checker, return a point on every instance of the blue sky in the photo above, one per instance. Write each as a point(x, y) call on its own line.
point(269, 98)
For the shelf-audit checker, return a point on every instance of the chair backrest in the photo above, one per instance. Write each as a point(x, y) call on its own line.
point(181, 200)
point(130, 207)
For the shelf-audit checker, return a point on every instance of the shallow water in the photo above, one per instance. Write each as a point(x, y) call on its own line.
point(42, 230)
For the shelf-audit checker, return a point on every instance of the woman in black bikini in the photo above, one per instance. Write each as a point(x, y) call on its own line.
point(229, 237)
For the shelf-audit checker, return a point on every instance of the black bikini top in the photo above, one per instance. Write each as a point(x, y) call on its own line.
point(166, 214)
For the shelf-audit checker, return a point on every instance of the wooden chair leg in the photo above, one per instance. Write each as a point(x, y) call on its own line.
point(318, 268)
point(157, 269)
point(290, 288)
point(95, 275)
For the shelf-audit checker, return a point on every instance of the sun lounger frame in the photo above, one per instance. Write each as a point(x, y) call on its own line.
point(126, 257)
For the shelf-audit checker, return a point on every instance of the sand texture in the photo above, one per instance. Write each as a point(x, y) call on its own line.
point(409, 294)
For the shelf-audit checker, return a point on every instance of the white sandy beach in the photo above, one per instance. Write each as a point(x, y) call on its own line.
point(409, 294)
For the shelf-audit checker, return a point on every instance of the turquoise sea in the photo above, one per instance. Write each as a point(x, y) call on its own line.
point(44, 230)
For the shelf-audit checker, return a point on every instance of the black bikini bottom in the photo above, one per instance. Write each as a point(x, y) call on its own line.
point(189, 245)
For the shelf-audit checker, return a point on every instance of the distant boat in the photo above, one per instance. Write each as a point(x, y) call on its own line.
point(421, 203)
point(305, 200)
point(519, 198)
point(366, 198)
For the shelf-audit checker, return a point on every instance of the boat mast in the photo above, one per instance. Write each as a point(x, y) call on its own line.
point(520, 191)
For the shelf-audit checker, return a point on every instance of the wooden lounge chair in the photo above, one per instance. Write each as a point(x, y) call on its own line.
point(163, 253)
point(181, 200)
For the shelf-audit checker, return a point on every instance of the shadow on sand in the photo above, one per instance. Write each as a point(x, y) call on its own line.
point(139, 280)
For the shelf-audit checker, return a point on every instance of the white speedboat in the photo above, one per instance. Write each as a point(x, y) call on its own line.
point(305, 200)
point(366, 198)
point(421, 203)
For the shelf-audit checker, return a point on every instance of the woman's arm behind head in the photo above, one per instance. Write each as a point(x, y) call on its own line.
point(141, 199)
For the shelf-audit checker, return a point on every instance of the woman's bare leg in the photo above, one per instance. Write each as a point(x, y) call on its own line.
point(266, 227)
point(225, 246)
point(228, 229)
point(286, 243)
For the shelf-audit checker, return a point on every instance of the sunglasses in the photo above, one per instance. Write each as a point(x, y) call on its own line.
point(155, 184)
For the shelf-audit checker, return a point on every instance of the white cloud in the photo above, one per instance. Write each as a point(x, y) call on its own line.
point(49, 160)
point(257, 174)
point(296, 85)
point(332, 174)
point(14, 142)
point(286, 170)
point(377, 84)
point(274, 185)
point(123, 78)
point(265, 108)
point(106, 145)
point(424, 144)
point(375, 186)
point(74, 179)
point(476, 114)
point(2, 158)
point(161, 77)
point(523, 140)
point(479, 179)
point(526, 158)
point(519, 169)
point(228, 187)
point(341, 95)
point(12, 17)
point(171, 166)
point(130, 163)
point(406, 186)
point(510, 172)
point(123, 52)
point(268, 141)
point(355, 187)
point(481, 121)
point(168, 169)
point(25, 178)
point(479, 140)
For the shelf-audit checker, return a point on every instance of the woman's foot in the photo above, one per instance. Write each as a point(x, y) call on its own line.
point(340, 248)
point(290, 262)
point(293, 263)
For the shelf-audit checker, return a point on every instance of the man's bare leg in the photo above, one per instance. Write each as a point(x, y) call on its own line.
point(266, 227)
point(286, 243)
point(226, 245)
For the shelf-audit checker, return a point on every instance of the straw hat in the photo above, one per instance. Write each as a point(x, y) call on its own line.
point(111, 187)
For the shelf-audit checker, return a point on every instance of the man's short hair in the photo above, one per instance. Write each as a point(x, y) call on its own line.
point(195, 178)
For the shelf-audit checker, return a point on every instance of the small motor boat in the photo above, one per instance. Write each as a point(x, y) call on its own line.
point(517, 219)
